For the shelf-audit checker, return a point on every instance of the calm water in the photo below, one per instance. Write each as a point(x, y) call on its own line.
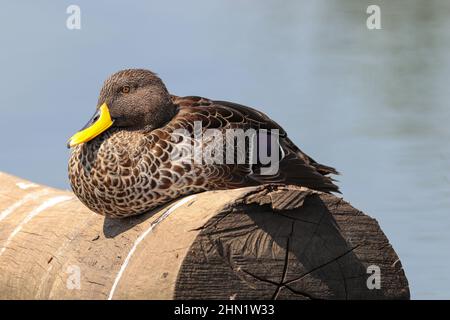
point(374, 104)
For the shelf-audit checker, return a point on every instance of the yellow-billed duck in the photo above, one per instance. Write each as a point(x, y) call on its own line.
point(123, 162)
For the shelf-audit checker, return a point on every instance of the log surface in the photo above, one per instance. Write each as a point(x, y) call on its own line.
point(266, 242)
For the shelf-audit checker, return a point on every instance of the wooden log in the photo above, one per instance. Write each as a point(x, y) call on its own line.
point(266, 242)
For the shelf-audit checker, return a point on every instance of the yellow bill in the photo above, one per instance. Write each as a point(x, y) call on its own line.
point(99, 123)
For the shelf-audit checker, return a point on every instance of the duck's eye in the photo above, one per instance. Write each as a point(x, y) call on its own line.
point(125, 89)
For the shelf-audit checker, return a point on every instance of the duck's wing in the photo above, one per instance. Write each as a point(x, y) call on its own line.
point(294, 166)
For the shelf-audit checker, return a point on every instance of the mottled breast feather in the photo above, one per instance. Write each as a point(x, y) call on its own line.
point(123, 173)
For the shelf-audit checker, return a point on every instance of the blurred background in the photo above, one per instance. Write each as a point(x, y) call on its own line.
point(372, 103)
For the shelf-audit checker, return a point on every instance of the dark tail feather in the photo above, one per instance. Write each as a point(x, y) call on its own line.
point(323, 169)
point(304, 175)
point(295, 171)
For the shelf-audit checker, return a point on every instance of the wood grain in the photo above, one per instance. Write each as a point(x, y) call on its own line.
point(266, 242)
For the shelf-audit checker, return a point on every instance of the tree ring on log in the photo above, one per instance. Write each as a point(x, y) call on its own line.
point(286, 242)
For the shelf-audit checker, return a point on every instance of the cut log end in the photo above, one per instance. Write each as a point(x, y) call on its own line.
point(266, 242)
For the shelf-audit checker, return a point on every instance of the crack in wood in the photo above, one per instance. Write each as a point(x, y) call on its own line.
point(321, 266)
point(340, 269)
point(286, 263)
point(295, 218)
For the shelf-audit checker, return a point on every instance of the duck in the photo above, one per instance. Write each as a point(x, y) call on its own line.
point(136, 152)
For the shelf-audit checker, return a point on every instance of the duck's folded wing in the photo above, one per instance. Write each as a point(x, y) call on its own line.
point(293, 167)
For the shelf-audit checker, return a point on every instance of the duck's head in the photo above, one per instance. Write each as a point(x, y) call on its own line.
point(131, 99)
